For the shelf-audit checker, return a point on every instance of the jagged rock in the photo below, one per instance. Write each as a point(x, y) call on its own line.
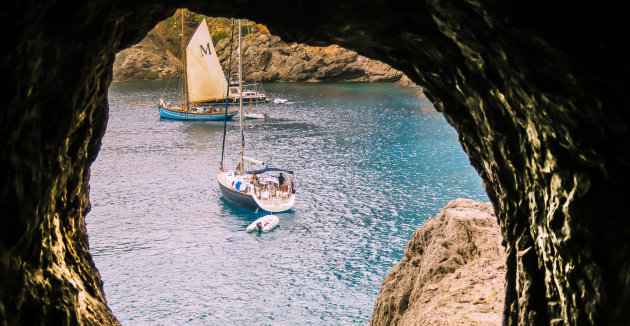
point(137, 64)
point(267, 58)
point(453, 272)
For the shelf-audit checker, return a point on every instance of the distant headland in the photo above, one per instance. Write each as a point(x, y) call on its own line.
point(266, 58)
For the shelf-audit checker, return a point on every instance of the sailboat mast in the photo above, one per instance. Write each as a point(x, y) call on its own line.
point(227, 96)
point(240, 92)
point(184, 61)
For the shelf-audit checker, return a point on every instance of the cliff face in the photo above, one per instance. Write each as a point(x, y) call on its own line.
point(453, 272)
point(268, 58)
point(265, 58)
point(147, 60)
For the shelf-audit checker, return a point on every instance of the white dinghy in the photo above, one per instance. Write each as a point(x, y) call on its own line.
point(282, 101)
point(264, 224)
point(256, 116)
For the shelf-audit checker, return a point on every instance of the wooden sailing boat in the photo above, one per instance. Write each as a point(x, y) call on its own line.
point(203, 78)
point(266, 188)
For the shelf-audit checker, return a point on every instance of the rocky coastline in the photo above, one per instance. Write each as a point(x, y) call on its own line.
point(453, 272)
point(266, 58)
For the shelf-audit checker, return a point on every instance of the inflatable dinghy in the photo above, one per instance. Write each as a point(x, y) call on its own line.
point(267, 223)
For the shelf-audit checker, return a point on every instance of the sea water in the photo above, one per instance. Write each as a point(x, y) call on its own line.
point(372, 163)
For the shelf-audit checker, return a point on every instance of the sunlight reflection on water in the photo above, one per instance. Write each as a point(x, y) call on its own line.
point(372, 164)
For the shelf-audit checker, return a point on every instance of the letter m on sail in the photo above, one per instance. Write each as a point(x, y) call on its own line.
point(205, 50)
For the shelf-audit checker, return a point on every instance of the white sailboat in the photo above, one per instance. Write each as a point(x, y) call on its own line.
point(203, 79)
point(266, 188)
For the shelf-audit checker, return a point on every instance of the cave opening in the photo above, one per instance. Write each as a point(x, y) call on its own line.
point(158, 221)
point(535, 92)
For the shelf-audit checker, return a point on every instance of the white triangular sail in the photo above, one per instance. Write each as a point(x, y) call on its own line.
point(205, 77)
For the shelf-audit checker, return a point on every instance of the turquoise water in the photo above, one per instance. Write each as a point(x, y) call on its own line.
point(373, 162)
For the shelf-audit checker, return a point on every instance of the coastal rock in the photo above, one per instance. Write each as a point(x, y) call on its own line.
point(140, 63)
point(266, 58)
point(151, 59)
point(269, 59)
point(453, 272)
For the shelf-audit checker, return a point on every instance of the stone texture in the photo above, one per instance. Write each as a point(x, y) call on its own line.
point(268, 58)
point(147, 60)
point(537, 91)
point(453, 272)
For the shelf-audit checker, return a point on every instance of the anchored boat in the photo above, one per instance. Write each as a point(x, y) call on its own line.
point(267, 188)
point(204, 81)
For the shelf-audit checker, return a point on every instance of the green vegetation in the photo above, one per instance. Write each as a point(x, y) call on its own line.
point(220, 28)
point(169, 22)
point(246, 29)
point(219, 35)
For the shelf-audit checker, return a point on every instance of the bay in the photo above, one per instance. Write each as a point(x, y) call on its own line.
point(372, 163)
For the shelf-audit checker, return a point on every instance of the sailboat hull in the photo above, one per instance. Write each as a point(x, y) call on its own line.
point(269, 200)
point(238, 198)
point(179, 115)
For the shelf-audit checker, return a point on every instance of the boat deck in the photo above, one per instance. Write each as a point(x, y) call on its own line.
point(265, 191)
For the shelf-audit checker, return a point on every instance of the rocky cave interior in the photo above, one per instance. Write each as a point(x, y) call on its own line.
point(537, 91)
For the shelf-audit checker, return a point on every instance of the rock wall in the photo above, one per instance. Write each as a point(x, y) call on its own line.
point(266, 58)
point(537, 91)
point(453, 272)
point(147, 60)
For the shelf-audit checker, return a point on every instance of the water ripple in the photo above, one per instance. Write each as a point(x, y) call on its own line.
point(372, 162)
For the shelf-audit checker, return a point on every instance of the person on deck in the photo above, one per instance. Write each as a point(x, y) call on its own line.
point(281, 180)
point(254, 179)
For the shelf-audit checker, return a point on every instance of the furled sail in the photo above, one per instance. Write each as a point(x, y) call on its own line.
point(203, 71)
